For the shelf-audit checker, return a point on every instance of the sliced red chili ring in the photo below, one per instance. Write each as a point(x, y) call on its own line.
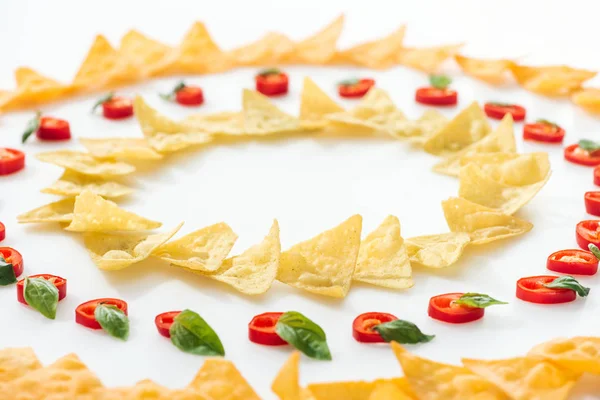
point(60, 283)
point(362, 327)
point(84, 313)
point(11, 161)
point(592, 203)
point(164, 321)
point(272, 84)
point(532, 289)
point(577, 262)
point(597, 176)
point(189, 96)
point(444, 308)
point(261, 329)
point(13, 257)
point(355, 89)
point(577, 155)
point(2, 232)
point(117, 108)
point(436, 97)
point(587, 232)
point(543, 132)
point(499, 110)
point(53, 129)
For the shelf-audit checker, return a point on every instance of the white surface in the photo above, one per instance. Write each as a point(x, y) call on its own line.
point(309, 185)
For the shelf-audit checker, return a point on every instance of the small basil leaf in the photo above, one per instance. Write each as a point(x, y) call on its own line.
point(169, 96)
point(349, 82)
point(588, 145)
point(595, 250)
point(568, 282)
point(440, 81)
point(192, 334)
point(113, 320)
point(41, 295)
point(403, 332)
point(477, 300)
point(303, 334)
point(32, 126)
point(546, 122)
point(269, 71)
point(103, 100)
point(7, 273)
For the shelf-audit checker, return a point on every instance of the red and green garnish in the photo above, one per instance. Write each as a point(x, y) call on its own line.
point(185, 95)
point(438, 93)
point(543, 131)
point(190, 333)
point(107, 314)
point(11, 265)
point(47, 128)
point(114, 107)
point(303, 334)
point(271, 82)
point(375, 327)
point(355, 88)
point(578, 262)
point(587, 232)
point(498, 110)
point(459, 308)
point(41, 295)
point(261, 329)
point(164, 321)
point(568, 282)
point(583, 153)
point(550, 289)
point(60, 283)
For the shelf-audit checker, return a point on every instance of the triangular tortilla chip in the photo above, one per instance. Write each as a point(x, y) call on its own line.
point(418, 131)
point(437, 251)
point(92, 213)
point(494, 72)
point(72, 183)
point(121, 148)
point(436, 381)
point(220, 380)
point(316, 104)
point(222, 123)
point(525, 378)
point(588, 98)
point(85, 164)
point(376, 54)
point(382, 257)
point(578, 354)
point(324, 264)
point(268, 50)
point(145, 390)
point(501, 140)
point(388, 391)
point(59, 211)
point(149, 56)
point(355, 390)
point(261, 117)
point(199, 54)
point(286, 384)
point(202, 250)
point(32, 89)
point(558, 80)
point(466, 128)
point(515, 169)
point(427, 59)
point(483, 224)
point(318, 48)
point(118, 251)
point(17, 362)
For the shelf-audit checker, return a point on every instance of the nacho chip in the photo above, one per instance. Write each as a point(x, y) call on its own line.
point(199, 54)
point(203, 250)
point(318, 48)
point(437, 251)
point(521, 170)
point(388, 391)
point(494, 72)
point(67, 378)
point(324, 264)
point(32, 89)
point(436, 381)
point(72, 183)
point(466, 128)
point(286, 384)
point(382, 258)
point(17, 362)
point(483, 224)
point(427, 59)
point(145, 390)
point(268, 50)
point(118, 251)
point(356, 390)
point(92, 213)
point(525, 378)
point(84, 163)
point(558, 80)
point(316, 104)
point(419, 131)
point(121, 148)
point(261, 117)
point(579, 354)
point(501, 140)
point(59, 211)
point(222, 123)
point(376, 54)
point(220, 380)
point(253, 271)
point(149, 56)
point(588, 98)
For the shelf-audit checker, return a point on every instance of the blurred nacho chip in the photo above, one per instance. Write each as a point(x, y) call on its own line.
point(92, 213)
point(427, 59)
point(318, 48)
point(324, 264)
point(198, 53)
point(419, 131)
point(222, 123)
point(388, 391)
point(494, 72)
point(437, 251)
point(557, 80)
point(121, 148)
point(286, 384)
point(518, 170)
point(145, 390)
point(17, 362)
point(579, 354)
point(117, 251)
point(357, 390)
point(588, 98)
point(376, 54)
point(149, 56)
point(72, 183)
point(220, 380)
point(316, 105)
point(59, 211)
point(261, 117)
point(203, 250)
point(382, 257)
point(268, 50)
point(483, 224)
point(32, 89)
point(84, 163)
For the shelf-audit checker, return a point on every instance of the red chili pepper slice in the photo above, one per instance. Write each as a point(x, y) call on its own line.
point(117, 108)
point(11, 161)
point(189, 96)
point(164, 321)
point(543, 132)
point(592, 203)
point(261, 329)
point(597, 176)
point(13, 257)
point(532, 289)
point(577, 155)
point(84, 313)
point(60, 283)
point(53, 129)
point(573, 262)
point(436, 97)
point(587, 232)
point(272, 83)
point(355, 89)
point(362, 327)
point(2, 232)
point(444, 308)
point(499, 110)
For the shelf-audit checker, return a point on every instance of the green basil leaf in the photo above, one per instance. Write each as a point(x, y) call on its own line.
point(169, 96)
point(303, 334)
point(41, 295)
point(269, 71)
point(32, 126)
point(112, 320)
point(588, 145)
point(192, 334)
point(349, 82)
point(595, 250)
point(477, 300)
point(7, 273)
point(440, 81)
point(403, 332)
point(568, 282)
point(546, 122)
point(103, 100)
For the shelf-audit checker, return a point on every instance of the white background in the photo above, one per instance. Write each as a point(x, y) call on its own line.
point(309, 185)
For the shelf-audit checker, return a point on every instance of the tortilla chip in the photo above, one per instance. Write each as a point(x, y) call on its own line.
point(268, 50)
point(318, 48)
point(84, 163)
point(466, 128)
point(437, 251)
point(72, 183)
point(92, 213)
point(388, 391)
point(356, 390)
point(32, 89)
point(220, 380)
point(261, 117)
point(579, 354)
point(59, 211)
point(558, 80)
point(382, 258)
point(516, 170)
point(436, 381)
point(253, 271)
point(428, 59)
point(149, 56)
point(145, 390)
point(222, 123)
point(483, 224)
point(286, 384)
point(199, 54)
point(203, 250)
point(376, 54)
point(525, 378)
point(67, 378)
point(588, 98)
point(316, 104)
point(121, 148)
point(324, 264)
point(118, 251)
point(419, 131)
point(501, 140)
point(17, 362)
point(494, 72)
